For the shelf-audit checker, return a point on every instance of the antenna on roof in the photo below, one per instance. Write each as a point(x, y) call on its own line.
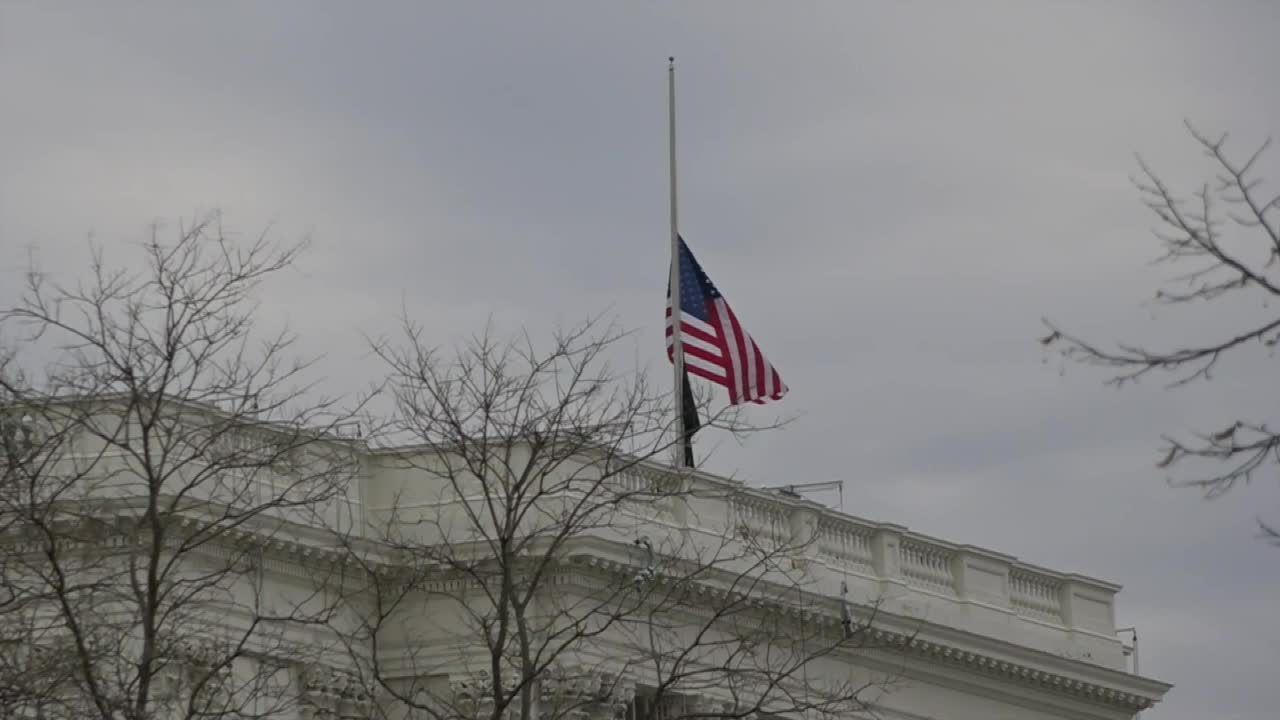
point(813, 487)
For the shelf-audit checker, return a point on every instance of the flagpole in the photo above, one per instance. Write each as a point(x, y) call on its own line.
point(677, 348)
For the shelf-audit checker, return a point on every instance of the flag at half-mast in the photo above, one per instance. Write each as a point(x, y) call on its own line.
point(714, 344)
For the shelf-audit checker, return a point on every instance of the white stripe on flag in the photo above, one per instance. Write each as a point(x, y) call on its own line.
point(768, 381)
point(713, 368)
point(731, 342)
point(752, 392)
point(687, 340)
point(692, 322)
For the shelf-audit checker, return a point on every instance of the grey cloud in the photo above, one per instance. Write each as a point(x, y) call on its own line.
point(892, 195)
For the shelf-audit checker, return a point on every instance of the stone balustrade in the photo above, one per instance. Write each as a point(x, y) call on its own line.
point(848, 547)
point(952, 584)
point(904, 573)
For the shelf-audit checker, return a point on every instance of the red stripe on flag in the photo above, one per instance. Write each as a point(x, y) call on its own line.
point(691, 331)
point(741, 374)
point(695, 351)
point(730, 380)
point(761, 391)
point(705, 374)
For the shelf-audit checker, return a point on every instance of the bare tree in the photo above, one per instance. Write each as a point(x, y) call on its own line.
point(535, 561)
point(158, 451)
point(1225, 239)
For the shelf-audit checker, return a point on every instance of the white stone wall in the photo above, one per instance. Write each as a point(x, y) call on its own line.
point(960, 632)
point(998, 637)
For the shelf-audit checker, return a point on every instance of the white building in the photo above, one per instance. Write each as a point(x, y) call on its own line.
point(945, 631)
point(988, 636)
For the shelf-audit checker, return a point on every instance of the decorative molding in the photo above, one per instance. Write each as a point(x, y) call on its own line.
point(1036, 595)
point(570, 690)
point(303, 554)
point(927, 566)
point(1022, 674)
point(328, 691)
point(912, 644)
point(1030, 589)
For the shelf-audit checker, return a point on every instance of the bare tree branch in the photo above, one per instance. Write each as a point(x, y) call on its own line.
point(529, 492)
point(1227, 232)
point(156, 447)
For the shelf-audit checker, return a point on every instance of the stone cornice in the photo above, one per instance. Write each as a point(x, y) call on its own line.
point(940, 644)
point(1024, 674)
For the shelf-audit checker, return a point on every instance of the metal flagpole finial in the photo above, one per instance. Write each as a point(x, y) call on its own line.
point(671, 62)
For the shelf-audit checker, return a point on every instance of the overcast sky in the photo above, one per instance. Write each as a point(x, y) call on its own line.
point(892, 195)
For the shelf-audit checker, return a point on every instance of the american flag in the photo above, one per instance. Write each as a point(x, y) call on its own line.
point(713, 342)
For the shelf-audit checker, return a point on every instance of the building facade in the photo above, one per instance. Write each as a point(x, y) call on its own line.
point(976, 634)
point(274, 573)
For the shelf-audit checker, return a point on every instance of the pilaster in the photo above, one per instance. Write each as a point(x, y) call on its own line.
point(1087, 606)
point(982, 576)
point(802, 524)
point(886, 542)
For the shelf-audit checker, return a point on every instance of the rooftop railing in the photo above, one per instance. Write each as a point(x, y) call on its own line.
point(888, 553)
